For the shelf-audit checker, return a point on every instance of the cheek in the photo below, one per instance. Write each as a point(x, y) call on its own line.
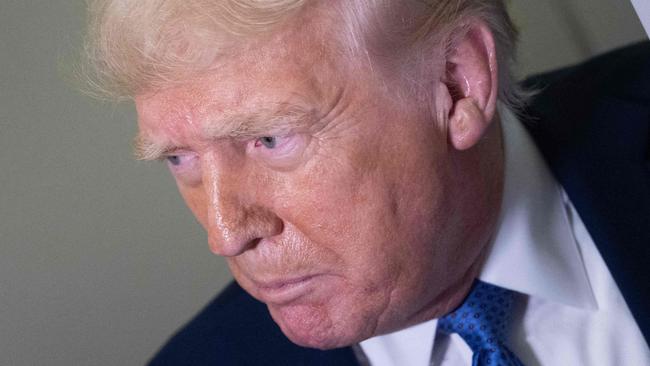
point(320, 202)
point(342, 210)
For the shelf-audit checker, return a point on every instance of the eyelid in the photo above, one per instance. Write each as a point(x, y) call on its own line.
point(280, 138)
point(164, 156)
point(186, 168)
point(172, 152)
point(184, 155)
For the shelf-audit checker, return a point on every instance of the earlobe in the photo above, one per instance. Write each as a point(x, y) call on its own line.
point(471, 78)
point(466, 125)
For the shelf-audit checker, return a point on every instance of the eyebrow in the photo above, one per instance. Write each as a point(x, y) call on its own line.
point(282, 120)
point(146, 149)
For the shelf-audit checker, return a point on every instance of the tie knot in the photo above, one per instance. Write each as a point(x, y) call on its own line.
point(483, 317)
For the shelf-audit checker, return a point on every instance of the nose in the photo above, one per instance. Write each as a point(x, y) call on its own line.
point(235, 221)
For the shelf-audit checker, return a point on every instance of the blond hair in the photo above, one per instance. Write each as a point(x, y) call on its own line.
point(135, 46)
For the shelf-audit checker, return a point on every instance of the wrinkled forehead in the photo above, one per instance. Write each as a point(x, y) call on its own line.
point(284, 76)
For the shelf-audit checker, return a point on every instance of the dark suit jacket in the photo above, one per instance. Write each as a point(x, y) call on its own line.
point(592, 124)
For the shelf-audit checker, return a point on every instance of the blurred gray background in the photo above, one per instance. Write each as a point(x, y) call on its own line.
point(100, 261)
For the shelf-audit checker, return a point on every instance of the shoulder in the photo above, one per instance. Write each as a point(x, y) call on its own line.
point(569, 101)
point(236, 329)
point(596, 110)
point(592, 124)
point(595, 116)
point(210, 336)
point(592, 121)
point(622, 73)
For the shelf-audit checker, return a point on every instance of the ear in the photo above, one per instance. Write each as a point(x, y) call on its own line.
point(471, 80)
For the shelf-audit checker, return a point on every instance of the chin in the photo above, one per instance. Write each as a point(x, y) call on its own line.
point(312, 326)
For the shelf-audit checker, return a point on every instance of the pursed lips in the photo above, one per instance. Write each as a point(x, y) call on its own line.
point(285, 290)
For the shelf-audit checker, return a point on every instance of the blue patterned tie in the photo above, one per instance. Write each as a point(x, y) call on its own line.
point(482, 321)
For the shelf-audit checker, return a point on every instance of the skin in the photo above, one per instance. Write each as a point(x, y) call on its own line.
point(367, 212)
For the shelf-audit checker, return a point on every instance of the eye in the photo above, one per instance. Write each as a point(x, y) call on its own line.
point(270, 142)
point(185, 166)
point(181, 159)
point(278, 151)
point(174, 160)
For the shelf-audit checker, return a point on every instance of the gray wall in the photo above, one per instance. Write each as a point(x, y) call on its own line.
point(560, 32)
point(99, 260)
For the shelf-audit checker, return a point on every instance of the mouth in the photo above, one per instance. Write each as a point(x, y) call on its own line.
point(285, 290)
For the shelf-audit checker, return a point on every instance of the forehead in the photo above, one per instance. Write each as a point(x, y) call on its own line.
point(288, 72)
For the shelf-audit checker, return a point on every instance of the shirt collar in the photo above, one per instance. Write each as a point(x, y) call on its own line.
point(410, 346)
point(534, 251)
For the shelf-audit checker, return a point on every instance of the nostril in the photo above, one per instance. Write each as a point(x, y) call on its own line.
point(231, 246)
point(253, 243)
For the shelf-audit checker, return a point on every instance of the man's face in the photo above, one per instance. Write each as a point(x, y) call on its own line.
point(336, 201)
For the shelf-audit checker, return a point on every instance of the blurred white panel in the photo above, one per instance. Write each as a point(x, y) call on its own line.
point(643, 10)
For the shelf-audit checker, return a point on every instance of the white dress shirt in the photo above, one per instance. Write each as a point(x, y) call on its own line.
point(568, 310)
